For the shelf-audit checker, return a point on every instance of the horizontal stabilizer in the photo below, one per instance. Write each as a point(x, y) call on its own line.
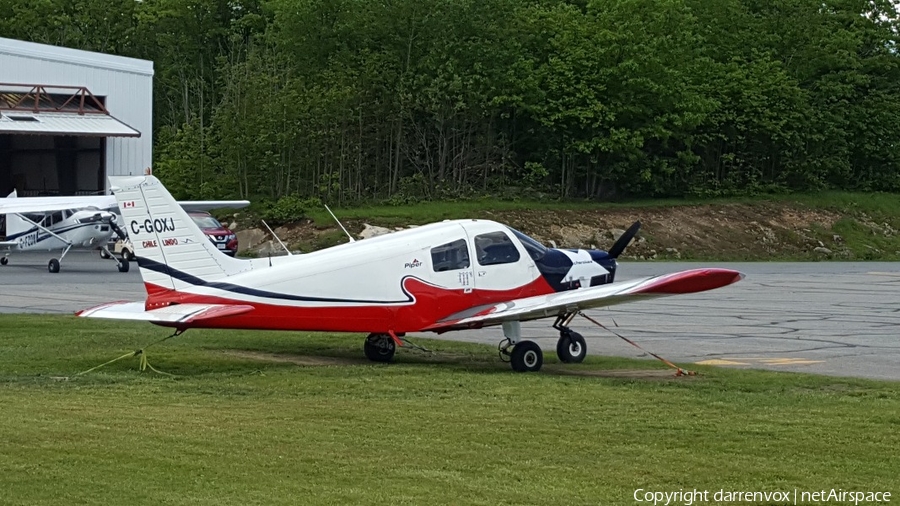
point(176, 313)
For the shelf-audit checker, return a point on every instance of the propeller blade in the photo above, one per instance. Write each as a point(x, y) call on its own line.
point(624, 240)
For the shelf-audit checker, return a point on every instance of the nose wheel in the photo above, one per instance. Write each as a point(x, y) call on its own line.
point(571, 348)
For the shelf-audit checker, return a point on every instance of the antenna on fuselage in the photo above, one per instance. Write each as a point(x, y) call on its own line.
point(339, 223)
point(277, 239)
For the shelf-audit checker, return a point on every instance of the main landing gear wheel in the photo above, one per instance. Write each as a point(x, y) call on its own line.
point(571, 347)
point(4, 260)
point(380, 347)
point(123, 266)
point(104, 255)
point(53, 266)
point(526, 357)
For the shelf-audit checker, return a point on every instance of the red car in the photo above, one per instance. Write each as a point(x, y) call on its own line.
point(222, 237)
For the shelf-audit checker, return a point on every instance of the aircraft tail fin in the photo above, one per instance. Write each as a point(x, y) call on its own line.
point(170, 248)
point(15, 225)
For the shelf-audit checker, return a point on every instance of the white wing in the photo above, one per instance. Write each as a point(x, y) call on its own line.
point(206, 205)
point(51, 204)
point(555, 304)
point(25, 205)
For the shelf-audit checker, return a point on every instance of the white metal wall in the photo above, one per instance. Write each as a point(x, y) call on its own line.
point(127, 84)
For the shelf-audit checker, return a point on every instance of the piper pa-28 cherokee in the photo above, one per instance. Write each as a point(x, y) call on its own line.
point(445, 276)
point(83, 222)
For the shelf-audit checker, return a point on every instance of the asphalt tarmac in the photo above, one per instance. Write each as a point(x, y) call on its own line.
point(836, 318)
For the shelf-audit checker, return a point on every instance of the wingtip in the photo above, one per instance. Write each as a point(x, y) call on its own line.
point(692, 281)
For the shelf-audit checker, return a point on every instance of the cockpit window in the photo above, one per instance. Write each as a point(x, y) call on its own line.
point(495, 248)
point(532, 246)
point(450, 257)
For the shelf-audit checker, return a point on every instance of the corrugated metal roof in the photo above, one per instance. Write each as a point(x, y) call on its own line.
point(99, 125)
point(75, 56)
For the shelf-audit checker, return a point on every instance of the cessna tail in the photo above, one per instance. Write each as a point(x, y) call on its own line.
point(451, 275)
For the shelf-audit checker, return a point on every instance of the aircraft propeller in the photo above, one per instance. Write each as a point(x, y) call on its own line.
point(108, 218)
point(624, 240)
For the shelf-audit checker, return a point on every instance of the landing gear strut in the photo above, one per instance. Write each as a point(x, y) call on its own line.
point(122, 264)
point(570, 348)
point(53, 264)
point(379, 347)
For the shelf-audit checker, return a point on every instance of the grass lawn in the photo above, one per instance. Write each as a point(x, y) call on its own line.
point(291, 418)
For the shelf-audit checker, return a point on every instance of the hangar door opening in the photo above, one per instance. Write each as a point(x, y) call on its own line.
point(53, 140)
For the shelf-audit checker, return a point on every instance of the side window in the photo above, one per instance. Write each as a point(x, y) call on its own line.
point(450, 257)
point(495, 248)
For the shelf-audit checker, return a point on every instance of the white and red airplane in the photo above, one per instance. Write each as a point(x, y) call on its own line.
point(451, 275)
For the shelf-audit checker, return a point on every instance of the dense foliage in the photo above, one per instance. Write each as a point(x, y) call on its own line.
point(348, 100)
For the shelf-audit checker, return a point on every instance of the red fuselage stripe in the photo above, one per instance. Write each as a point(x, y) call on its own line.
point(430, 304)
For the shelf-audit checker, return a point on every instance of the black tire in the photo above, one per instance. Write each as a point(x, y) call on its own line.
point(526, 357)
point(124, 266)
point(571, 347)
point(379, 347)
point(104, 255)
point(127, 255)
point(53, 266)
point(4, 260)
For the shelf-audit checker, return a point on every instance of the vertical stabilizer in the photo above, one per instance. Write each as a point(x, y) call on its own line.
point(171, 249)
point(15, 225)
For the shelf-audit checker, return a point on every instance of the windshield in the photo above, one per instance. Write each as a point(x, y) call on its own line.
point(532, 246)
point(205, 221)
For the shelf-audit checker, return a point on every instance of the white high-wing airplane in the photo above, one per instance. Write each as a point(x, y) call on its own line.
point(445, 276)
point(63, 223)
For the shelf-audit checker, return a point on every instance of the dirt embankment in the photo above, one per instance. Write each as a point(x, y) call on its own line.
point(760, 231)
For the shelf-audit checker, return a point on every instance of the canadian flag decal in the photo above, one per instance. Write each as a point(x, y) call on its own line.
point(128, 204)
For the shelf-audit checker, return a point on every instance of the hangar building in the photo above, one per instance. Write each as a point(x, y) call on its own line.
point(69, 118)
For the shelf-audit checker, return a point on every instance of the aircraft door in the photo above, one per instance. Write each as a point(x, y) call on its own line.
point(451, 269)
point(503, 270)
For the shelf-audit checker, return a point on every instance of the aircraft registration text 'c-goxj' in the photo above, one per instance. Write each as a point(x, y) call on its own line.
point(445, 276)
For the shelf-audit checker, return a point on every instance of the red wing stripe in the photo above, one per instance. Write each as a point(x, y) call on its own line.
point(692, 281)
point(218, 312)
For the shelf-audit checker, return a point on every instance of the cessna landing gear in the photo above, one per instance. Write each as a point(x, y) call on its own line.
point(122, 264)
point(571, 347)
point(379, 347)
point(53, 264)
point(4, 260)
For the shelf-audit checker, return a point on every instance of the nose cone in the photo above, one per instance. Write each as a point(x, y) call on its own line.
point(609, 263)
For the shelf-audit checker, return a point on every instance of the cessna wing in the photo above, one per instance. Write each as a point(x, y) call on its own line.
point(562, 303)
point(33, 205)
point(167, 315)
point(29, 205)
